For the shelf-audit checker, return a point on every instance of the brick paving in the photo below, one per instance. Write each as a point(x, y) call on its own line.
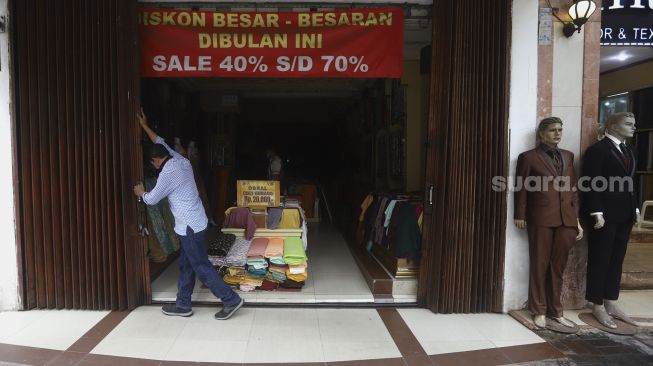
point(596, 348)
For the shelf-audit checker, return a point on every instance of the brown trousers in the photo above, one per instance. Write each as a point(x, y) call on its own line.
point(549, 248)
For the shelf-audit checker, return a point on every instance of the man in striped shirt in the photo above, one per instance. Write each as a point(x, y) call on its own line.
point(176, 181)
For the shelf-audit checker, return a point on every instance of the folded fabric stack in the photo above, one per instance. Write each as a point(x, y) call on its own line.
point(295, 256)
point(277, 273)
point(234, 276)
point(218, 249)
point(274, 251)
point(256, 263)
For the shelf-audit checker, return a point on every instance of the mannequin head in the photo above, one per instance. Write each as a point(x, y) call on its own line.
point(549, 131)
point(621, 125)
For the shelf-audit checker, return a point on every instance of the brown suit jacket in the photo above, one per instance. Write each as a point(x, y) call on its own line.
point(547, 206)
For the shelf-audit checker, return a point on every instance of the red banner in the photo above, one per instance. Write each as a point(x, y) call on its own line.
point(365, 43)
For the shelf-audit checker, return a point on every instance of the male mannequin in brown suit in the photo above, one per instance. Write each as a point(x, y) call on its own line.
point(547, 204)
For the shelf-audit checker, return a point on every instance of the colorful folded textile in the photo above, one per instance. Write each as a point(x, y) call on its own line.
point(283, 268)
point(291, 284)
point(293, 251)
point(237, 256)
point(290, 219)
point(269, 286)
point(246, 288)
point(233, 280)
point(279, 277)
point(298, 277)
point(252, 281)
point(258, 248)
point(234, 271)
point(274, 248)
point(257, 265)
point(297, 268)
point(277, 260)
point(256, 272)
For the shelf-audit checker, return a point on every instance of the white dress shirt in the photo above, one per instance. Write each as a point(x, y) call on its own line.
point(177, 182)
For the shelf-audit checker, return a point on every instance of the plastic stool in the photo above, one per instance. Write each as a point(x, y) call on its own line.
point(646, 223)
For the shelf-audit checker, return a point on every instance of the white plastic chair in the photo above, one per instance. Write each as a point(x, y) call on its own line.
point(646, 223)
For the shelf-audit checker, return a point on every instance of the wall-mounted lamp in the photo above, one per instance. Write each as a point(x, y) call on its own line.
point(579, 12)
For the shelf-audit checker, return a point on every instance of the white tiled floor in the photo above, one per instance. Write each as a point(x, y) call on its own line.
point(53, 329)
point(439, 333)
point(333, 276)
point(253, 335)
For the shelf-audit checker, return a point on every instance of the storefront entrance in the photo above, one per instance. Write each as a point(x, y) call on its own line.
point(82, 237)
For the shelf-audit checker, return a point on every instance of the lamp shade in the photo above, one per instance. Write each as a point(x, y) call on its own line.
point(581, 10)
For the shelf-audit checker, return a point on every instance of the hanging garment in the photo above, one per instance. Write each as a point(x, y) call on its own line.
point(237, 256)
point(274, 248)
point(408, 240)
point(221, 245)
point(162, 221)
point(365, 205)
point(290, 219)
point(156, 252)
point(274, 217)
point(293, 251)
point(241, 218)
point(378, 223)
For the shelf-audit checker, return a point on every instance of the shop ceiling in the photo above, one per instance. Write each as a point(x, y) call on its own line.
point(615, 57)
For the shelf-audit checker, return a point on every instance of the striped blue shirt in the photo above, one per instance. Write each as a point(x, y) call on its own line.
point(177, 182)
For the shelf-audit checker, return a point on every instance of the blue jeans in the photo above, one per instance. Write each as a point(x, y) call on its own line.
point(193, 260)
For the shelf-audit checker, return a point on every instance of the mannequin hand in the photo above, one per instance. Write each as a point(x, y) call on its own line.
point(521, 224)
point(600, 221)
point(141, 118)
point(580, 233)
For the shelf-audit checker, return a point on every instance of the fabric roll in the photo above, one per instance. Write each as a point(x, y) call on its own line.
point(241, 218)
point(217, 261)
point(253, 280)
point(293, 251)
point(274, 217)
point(237, 256)
point(274, 248)
point(221, 245)
point(290, 219)
point(258, 247)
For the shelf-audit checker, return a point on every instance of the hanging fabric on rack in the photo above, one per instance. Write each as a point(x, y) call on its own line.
point(240, 218)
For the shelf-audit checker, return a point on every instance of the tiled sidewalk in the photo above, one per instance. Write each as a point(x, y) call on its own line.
point(315, 336)
point(312, 336)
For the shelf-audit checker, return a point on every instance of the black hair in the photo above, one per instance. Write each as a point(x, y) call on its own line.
point(159, 151)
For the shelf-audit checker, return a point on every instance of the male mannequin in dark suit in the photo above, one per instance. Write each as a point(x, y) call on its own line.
point(612, 213)
point(550, 212)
